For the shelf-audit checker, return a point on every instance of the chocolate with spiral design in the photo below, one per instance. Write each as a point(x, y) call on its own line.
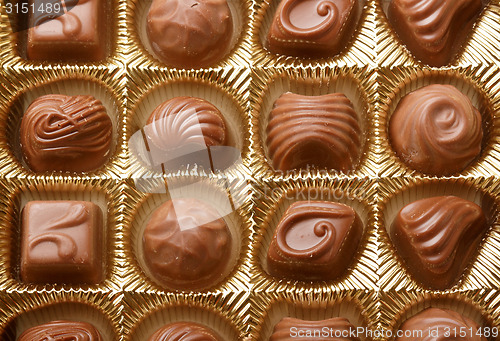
point(337, 329)
point(185, 331)
point(62, 330)
point(66, 133)
point(314, 240)
point(436, 130)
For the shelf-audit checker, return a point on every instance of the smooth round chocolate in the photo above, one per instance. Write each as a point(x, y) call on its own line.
point(190, 33)
point(185, 331)
point(66, 133)
point(436, 130)
point(61, 330)
point(186, 244)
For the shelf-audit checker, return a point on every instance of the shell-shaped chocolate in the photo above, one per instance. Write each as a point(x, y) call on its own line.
point(312, 28)
point(184, 331)
point(436, 130)
point(437, 236)
point(62, 330)
point(186, 244)
point(66, 133)
point(318, 131)
point(434, 324)
point(190, 33)
point(337, 328)
point(314, 240)
point(433, 30)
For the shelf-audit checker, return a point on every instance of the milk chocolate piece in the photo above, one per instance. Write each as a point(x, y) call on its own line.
point(62, 330)
point(185, 331)
point(334, 329)
point(435, 324)
point(312, 28)
point(186, 244)
point(190, 33)
point(66, 133)
point(436, 238)
point(61, 242)
point(436, 130)
point(77, 35)
point(314, 240)
point(433, 30)
point(313, 131)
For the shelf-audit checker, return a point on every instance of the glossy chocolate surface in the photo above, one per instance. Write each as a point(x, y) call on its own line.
point(433, 30)
point(61, 242)
point(190, 33)
point(436, 324)
point(66, 133)
point(312, 28)
point(337, 328)
point(314, 240)
point(313, 131)
point(77, 35)
point(185, 331)
point(186, 244)
point(62, 330)
point(436, 238)
point(436, 130)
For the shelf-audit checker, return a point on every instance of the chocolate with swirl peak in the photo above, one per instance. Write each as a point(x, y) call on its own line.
point(62, 330)
point(314, 240)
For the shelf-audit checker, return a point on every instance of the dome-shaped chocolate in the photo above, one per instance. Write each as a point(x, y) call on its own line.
point(184, 331)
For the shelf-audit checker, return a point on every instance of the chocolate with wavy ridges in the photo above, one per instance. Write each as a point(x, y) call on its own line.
point(190, 33)
point(313, 131)
point(434, 324)
point(312, 28)
point(62, 330)
point(337, 328)
point(66, 133)
point(436, 130)
point(433, 30)
point(314, 240)
point(185, 331)
point(186, 244)
point(437, 236)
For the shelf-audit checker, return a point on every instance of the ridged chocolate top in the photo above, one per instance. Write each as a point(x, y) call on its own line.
point(62, 330)
point(436, 130)
point(185, 331)
point(337, 328)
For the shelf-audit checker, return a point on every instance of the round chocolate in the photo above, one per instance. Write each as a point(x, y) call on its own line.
point(66, 133)
point(436, 130)
point(185, 331)
point(334, 329)
point(61, 330)
point(186, 244)
point(190, 33)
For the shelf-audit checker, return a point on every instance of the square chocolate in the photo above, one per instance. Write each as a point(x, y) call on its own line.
point(76, 35)
point(62, 242)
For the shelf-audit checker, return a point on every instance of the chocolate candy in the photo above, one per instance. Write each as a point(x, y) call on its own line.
point(436, 238)
point(66, 133)
point(314, 240)
point(335, 329)
point(76, 35)
point(186, 244)
point(433, 30)
point(312, 28)
point(440, 324)
point(184, 331)
point(62, 242)
point(313, 131)
point(436, 130)
point(190, 33)
point(62, 330)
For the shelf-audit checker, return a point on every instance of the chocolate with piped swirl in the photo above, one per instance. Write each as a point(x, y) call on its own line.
point(434, 324)
point(190, 33)
point(62, 330)
point(185, 331)
point(313, 131)
point(436, 130)
point(433, 30)
point(312, 28)
point(314, 240)
point(436, 238)
point(66, 133)
point(337, 328)
point(186, 244)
